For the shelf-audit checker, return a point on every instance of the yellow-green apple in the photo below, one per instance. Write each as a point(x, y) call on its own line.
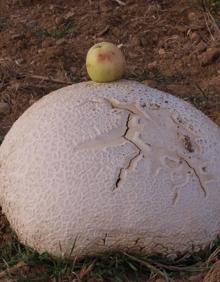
point(105, 62)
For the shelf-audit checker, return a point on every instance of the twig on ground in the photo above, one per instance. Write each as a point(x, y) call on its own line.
point(120, 2)
point(213, 257)
point(86, 270)
point(45, 78)
point(13, 269)
point(208, 28)
point(214, 24)
point(148, 265)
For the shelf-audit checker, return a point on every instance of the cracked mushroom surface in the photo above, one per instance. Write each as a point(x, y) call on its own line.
point(109, 167)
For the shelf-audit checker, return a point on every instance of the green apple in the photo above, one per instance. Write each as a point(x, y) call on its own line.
point(105, 62)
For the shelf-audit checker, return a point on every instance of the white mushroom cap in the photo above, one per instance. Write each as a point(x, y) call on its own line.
point(116, 166)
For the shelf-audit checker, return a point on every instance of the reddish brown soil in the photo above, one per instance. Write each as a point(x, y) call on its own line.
point(170, 45)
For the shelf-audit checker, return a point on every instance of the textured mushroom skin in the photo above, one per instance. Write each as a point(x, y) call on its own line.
point(117, 166)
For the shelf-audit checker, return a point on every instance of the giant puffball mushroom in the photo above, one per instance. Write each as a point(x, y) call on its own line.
point(112, 167)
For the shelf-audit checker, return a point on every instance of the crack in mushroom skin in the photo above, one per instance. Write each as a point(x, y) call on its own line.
point(175, 197)
point(122, 170)
point(198, 177)
point(104, 239)
point(189, 147)
point(128, 132)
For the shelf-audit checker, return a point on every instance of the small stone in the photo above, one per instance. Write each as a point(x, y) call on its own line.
point(47, 43)
point(201, 47)
point(59, 51)
point(135, 41)
point(192, 16)
point(60, 41)
point(116, 31)
point(69, 15)
point(28, 34)
point(161, 52)
point(181, 28)
point(59, 20)
point(4, 108)
point(150, 83)
point(195, 37)
point(152, 65)
point(40, 51)
point(187, 47)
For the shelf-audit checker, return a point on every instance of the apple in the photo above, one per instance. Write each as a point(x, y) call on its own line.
point(105, 62)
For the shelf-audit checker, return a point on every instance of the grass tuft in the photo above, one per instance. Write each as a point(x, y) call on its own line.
point(23, 264)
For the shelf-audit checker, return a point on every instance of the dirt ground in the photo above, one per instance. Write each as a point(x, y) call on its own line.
point(170, 45)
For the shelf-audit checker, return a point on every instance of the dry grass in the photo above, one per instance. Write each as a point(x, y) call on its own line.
point(22, 264)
